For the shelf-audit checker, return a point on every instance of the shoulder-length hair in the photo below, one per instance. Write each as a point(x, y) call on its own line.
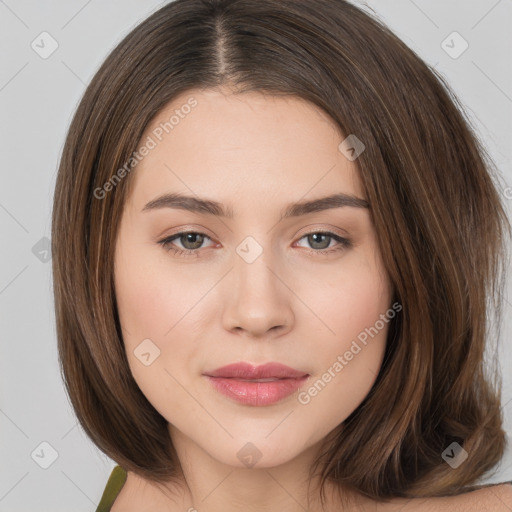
point(434, 201)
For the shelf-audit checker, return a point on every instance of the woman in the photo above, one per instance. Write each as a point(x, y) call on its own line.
point(274, 236)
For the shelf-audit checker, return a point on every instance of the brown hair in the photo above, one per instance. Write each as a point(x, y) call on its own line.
point(433, 201)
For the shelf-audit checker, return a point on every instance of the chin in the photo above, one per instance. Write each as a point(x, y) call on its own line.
point(255, 452)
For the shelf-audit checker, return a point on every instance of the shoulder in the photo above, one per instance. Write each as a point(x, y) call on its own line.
point(496, 497)
point(489, 498)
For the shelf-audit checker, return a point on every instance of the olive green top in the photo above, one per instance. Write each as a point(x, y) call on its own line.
point(113, 488)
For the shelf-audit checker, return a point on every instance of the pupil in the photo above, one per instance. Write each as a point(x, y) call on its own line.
point(189, 238)
point(315, 236)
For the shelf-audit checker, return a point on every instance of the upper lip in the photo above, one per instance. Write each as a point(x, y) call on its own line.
point(247, 371)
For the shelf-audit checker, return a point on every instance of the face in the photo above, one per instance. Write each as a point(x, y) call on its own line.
point(264, 283)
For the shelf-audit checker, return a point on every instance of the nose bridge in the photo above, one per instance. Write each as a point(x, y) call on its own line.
point(252, 269)
point(258, 301)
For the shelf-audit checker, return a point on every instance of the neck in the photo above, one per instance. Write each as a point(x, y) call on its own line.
point(210, 485)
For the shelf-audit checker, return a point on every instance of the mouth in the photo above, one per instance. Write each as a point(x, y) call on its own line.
point(256, 386)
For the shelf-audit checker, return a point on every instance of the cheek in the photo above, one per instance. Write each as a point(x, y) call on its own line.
point(156, 303)
point(351, 299)
point(140, 308)
point(357, 311)
point(146, 314)
point(151, 298)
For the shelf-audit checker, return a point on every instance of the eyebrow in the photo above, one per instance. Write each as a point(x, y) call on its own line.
point(209, 207)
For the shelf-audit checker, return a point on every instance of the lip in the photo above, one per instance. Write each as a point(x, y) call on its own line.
point(233, 381)
point(247, 371)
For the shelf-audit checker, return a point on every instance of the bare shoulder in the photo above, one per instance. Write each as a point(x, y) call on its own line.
point(491, 498)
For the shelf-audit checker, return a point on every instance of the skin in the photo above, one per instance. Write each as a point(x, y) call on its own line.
point(255, 154)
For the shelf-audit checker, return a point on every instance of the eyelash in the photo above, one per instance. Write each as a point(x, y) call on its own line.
point(343, 243)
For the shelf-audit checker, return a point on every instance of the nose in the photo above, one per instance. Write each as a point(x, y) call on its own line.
point(257, 299)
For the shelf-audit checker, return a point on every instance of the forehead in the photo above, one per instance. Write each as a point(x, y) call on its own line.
point(242, 147)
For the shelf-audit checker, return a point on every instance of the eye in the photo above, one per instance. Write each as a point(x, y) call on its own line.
point(192, 241)
point(317, 240)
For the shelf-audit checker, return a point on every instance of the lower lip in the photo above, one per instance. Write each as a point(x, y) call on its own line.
point(256, 393)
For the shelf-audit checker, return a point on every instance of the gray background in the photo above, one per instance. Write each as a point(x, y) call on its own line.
point(37, 99)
